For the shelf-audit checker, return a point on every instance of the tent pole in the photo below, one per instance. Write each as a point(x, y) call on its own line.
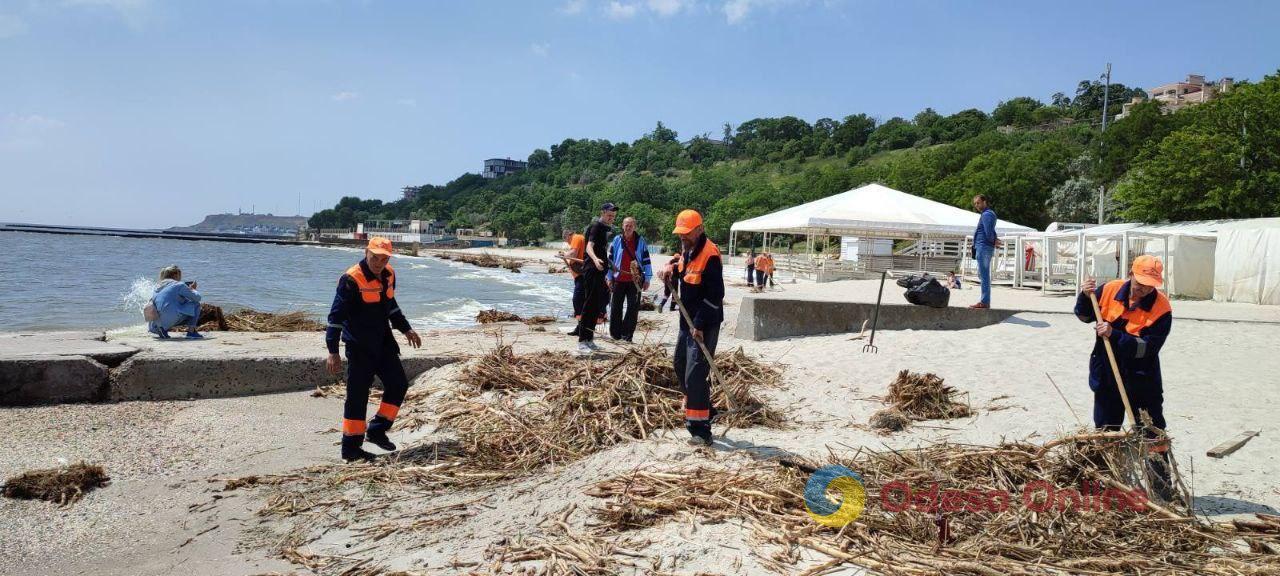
point(1019, 262)
point(1168, 267)
point(1045, 263)
point(1124, 255)
point(1082, 253)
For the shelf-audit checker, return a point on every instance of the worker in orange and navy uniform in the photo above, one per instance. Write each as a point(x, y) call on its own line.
point(700, 275)
point(1136, 318)
point(362, 307)
point(574, 258)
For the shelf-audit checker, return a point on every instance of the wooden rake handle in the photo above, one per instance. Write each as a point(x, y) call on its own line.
point(715, 370)
point(1115, 368)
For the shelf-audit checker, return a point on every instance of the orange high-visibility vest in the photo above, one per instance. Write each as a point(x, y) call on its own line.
point(577, 249)
point(1137, 319)
point(371, 290)
point(692, 273)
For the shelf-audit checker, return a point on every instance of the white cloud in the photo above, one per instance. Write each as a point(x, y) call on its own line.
point(541, 49)
point(410, 102)
point(736, 11)
point(573, 6)
point(345, 96)
point(11, 26)
point(32, 122)
point(666, 7)
point(620, 11)
point(134, 12)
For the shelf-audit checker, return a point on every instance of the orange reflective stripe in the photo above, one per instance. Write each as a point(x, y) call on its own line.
point(388, 411)
point(1158, 448)
point(691, 414)
point(1137, 319)
point(353, 427)
point(371, 290)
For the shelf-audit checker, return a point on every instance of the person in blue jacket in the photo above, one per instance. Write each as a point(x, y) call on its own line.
point(176, 303)
point(629, 273)
point(984, 246)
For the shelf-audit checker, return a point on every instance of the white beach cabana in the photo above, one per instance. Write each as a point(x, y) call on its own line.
point(1226, 260)
point(877, 211)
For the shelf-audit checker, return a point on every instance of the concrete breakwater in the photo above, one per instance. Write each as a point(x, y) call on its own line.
point(60, 367)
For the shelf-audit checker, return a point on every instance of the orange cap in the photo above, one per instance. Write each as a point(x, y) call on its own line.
point(380, 245)
point(1148, 270)
point(687, 221)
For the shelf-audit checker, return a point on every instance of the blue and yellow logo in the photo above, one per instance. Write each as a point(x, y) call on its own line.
point(853, 496)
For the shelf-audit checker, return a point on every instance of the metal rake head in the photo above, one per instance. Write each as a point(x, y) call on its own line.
point(872, 348)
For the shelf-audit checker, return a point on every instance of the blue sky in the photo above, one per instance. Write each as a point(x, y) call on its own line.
point(148, 113)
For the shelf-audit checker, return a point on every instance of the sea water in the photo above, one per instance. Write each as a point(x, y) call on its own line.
point(58, 282)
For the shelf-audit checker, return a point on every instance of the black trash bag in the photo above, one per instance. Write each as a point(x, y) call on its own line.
point(929, 293)
point(913, 280)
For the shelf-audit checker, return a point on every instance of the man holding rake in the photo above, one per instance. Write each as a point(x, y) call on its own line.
point(700, 296)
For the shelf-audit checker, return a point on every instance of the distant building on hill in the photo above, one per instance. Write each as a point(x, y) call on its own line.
point(712, 141)
point(1178, 95)
point(499, 167)
point(410, 192)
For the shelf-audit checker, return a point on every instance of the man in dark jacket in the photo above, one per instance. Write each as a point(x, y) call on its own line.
point(595, 285)
point(1136, 318)
point(700, 275)
point(364, 303)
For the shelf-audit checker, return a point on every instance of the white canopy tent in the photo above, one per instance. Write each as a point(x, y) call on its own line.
point(873, 211)
point(877, 211)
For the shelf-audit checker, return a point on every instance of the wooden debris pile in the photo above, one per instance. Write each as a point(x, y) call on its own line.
point(62, 485)
point(536, 320)
point(960, 509)
point(483, 260)
point(212, 319)
point(513, 415)
point(589, 407)
point(913, 397)
point(491, 316)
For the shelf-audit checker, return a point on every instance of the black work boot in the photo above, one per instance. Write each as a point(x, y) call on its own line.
point(1161, 480)
point(352, 450)
point(377, 434)
point(700, 433)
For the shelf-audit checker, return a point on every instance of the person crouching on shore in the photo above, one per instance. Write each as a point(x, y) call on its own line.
point(362, 307)
point(174, 303)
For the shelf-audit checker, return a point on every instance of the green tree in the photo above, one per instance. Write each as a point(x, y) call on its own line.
point(853, 131)
point(894, 134)
point(1018, 112)
point(539, 159)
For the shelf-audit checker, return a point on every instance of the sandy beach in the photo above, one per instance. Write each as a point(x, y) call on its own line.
point(166, 510)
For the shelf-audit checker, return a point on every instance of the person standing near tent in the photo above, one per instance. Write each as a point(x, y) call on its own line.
point(751, 268)
point(362, 307)
point(700, 275)
point(984, 246)
point(574, 257)
point(1136, 318)
point(594, 280)
point(629, 273)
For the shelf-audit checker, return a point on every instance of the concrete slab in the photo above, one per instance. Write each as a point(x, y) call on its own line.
point(92, 344)
point(234, 364)
point(51, 380)
point(767, 318)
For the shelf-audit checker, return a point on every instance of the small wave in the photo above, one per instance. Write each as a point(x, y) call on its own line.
point(139, 294)
point(458, 312)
